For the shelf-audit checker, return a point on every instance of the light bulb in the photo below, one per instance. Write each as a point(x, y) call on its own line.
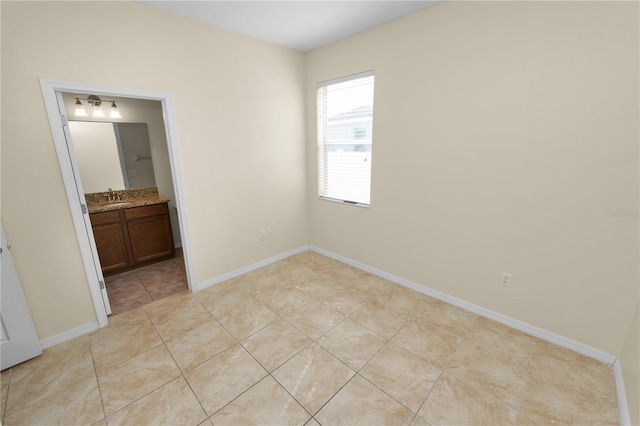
point(97, 111)
point(80, 111)
point(114, 111)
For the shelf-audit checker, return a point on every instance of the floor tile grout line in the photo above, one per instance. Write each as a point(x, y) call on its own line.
point(95, 371)
point(148, 393)
point(163, 342)
point(135, 272)
point(239, 343)
point(427, 397)
point(333, 396)
point(291, 395)
point(4, 406)
point(393, 397)
point(188, 384)
point(239, 395)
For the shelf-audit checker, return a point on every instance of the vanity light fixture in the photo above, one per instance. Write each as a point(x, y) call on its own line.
point(96, 106)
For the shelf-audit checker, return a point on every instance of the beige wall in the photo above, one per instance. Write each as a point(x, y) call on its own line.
point(630, 363)
point(502, 133)
point(239, 109)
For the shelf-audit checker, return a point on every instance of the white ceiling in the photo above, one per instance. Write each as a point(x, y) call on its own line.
point(302, 25)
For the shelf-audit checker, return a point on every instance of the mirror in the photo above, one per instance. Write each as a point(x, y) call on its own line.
point(112, 155)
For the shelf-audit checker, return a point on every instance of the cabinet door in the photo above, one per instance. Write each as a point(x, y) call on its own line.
point(111, 245)
point(150, 238)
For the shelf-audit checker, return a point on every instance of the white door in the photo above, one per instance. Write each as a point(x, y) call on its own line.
point(95, 260)
point(19, 339)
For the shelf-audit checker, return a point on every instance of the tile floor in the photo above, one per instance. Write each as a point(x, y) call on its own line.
point(138, 287)
point(307, 340)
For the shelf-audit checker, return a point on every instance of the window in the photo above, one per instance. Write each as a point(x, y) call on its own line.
point(345, 123)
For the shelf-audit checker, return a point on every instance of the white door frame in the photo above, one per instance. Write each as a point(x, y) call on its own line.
point(57, 121)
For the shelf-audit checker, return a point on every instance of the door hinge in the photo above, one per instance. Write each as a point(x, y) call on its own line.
point(84, 208)
point(65, 122)
point(101, 284)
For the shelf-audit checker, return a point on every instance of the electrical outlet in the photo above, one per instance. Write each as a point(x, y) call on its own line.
point(269, 233)
point(132, 172)
point(506, 279)
point(263, 235)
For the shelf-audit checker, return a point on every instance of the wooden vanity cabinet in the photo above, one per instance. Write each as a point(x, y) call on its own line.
point(128, 238)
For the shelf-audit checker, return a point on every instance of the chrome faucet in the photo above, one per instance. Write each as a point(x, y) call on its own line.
point(113, 195)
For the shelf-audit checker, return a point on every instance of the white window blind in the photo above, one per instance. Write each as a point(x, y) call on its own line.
point(345, 124)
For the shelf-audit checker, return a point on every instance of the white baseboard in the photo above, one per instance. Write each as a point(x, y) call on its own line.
point(565, 342)
point(68, 335)
point(249, 268)
point(623, 409)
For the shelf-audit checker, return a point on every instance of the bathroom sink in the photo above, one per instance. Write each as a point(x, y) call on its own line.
point(119, 204)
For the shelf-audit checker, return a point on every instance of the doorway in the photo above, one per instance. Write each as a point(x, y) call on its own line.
point(128, 154)
point(59, 117)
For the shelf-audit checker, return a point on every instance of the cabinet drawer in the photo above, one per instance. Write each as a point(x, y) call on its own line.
point(145, 211)
point(104, 217)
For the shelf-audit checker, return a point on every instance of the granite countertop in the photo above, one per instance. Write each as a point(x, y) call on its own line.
point(128, 198)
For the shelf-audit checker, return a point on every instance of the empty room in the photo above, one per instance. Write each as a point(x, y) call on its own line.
point(319, 213)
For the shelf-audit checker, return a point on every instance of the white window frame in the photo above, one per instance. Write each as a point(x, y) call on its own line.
point(323, 143)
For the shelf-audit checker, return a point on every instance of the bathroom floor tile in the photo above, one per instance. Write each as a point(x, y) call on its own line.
point(131, 380)
point(166, 284)
point(402, 375)
point(224, 377)
point(361, 403)
point(275, 344)
point(171, 404)
point(200, 344)
point(127, 295)
point(353, 343)
point(313, 376)
point(265, 403)
point(138, 287)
